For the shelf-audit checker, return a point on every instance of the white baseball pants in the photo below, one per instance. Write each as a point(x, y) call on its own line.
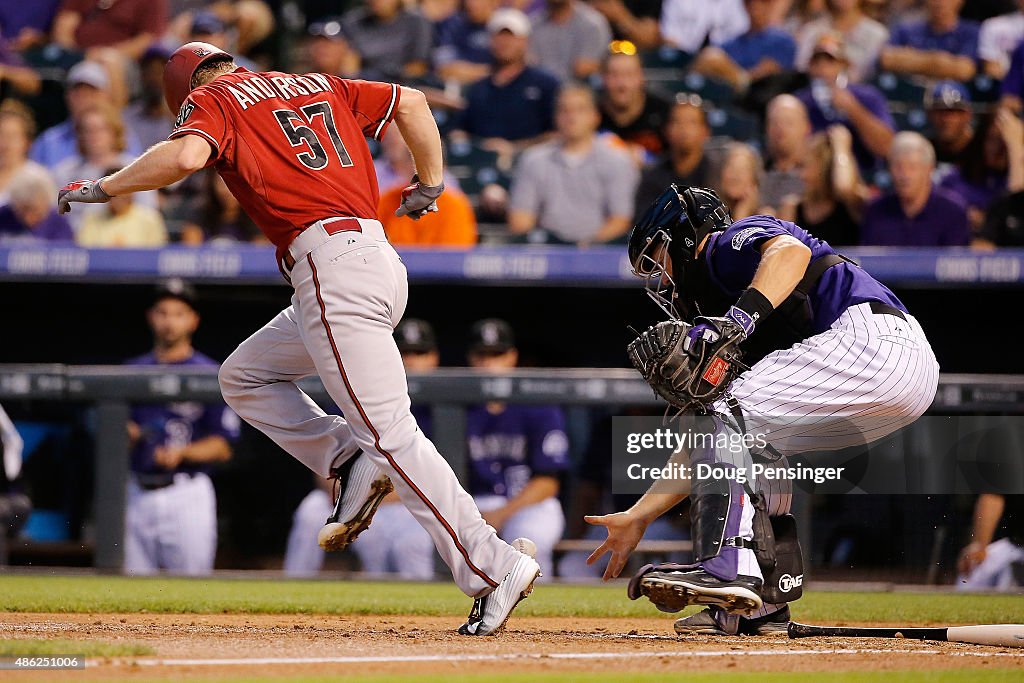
point(861, 380)
point(173, 528)
point(351, 290)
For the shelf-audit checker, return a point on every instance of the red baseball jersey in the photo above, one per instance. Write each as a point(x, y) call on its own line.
point(292, 148)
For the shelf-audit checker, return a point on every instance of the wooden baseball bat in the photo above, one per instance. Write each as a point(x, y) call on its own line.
point(999, 635)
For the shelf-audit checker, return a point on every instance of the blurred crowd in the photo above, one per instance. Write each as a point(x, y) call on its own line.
point(867, 122)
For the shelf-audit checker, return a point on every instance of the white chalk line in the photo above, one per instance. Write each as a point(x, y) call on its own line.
point(412, 659)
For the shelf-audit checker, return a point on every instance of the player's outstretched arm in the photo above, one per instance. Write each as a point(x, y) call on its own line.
point(164, 164)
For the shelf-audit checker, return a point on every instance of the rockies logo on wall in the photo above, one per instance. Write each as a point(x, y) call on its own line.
point(183, 114)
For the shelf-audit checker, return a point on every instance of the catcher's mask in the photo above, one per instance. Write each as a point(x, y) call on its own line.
point(679, 220)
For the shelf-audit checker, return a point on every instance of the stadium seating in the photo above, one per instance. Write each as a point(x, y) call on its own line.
point(734, 123)
point(475, 167)
point(898, 88)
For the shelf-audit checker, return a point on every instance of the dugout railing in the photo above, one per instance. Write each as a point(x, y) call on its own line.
point(111, 390)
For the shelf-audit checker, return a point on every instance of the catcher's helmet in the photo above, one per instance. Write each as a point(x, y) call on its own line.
point(182, 65)
point(679, 219)
point(684, 216)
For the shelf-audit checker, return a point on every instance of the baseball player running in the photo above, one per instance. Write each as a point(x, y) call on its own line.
point(292, 150)
point(839, 362)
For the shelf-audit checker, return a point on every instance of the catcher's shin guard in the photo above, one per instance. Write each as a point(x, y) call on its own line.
point(716, 518)
point(764, 534)
point(784, 581)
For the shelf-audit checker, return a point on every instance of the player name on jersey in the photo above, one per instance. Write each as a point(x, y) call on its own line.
point(256, 88)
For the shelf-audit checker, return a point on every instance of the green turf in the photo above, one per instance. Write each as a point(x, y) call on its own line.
point(211, 596)
point(33, 647)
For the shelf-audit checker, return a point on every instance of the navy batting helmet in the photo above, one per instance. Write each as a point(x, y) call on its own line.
point(679, 220)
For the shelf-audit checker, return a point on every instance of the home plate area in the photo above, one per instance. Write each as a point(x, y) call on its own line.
point(258, 646)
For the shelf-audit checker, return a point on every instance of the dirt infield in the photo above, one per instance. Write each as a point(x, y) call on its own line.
point(269, 646)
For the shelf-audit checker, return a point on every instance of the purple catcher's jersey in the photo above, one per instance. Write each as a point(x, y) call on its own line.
point(733, 256)
point(177, 424)
point(508, 449)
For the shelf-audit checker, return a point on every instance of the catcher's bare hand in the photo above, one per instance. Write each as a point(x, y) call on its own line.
point(624, 533)
point(418, 199)
point(86, 191)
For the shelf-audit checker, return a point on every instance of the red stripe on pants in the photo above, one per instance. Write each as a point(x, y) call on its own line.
point(376, 436)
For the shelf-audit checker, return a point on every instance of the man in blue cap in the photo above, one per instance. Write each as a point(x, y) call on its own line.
point(951, 119)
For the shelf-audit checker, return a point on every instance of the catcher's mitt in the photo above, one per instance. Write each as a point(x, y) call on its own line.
point(689, 366)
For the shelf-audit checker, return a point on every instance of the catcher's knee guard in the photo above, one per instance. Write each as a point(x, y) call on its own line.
point(784, 577)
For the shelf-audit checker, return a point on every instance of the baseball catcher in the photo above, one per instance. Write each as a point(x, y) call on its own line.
point(769, 332)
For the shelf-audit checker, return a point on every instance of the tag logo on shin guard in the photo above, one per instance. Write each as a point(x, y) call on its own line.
point(715, 372)
point(788, 583)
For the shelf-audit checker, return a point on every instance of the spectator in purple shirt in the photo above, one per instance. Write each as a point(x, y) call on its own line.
point(765, 49)
point(28, 23)
point(916, 213)
point(31, 214)
point(940, 46)
point(832, 99)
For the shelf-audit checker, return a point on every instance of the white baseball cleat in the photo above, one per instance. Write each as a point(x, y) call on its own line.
point(362, 488)
point(489, 613)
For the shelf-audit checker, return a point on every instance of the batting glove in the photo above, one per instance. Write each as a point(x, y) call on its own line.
point(86, 191)
point(418, 199)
